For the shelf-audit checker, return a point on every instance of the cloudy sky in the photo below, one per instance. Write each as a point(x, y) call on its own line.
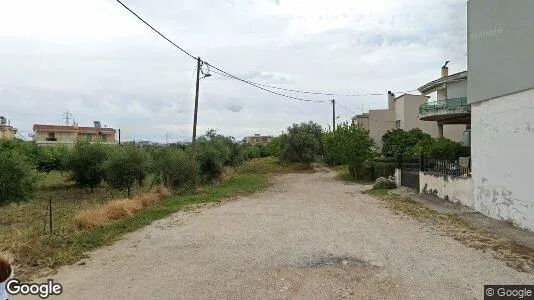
point(98, 61)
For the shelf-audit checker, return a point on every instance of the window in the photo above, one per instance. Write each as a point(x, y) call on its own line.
point(103, 137)
point(398, 124)
point(51, 136)
point(88, 137)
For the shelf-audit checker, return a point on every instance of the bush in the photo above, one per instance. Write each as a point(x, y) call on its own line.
point(17, 179)
point(210, 160)
point(302, 143)
point(398, 142)
point(381, 169)
point(175, 169)
point(274, 147)
point(51, 159)
point(385, 183)
point(85, 162)
point(349, 145)
point(125, 166)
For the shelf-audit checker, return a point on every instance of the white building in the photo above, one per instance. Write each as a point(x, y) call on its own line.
point(501, 94)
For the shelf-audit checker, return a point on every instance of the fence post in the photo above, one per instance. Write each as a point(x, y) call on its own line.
point(50, 213)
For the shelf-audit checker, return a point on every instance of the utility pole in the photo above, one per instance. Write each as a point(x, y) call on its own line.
point(193, 142)
point(119, 136)
point(333, 115)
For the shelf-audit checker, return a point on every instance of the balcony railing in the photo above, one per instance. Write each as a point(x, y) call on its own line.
point(452, 103)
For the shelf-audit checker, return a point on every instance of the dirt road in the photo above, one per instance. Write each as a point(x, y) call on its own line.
point(308, 236)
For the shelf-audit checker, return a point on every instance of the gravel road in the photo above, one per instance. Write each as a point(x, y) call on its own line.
point(308, 236)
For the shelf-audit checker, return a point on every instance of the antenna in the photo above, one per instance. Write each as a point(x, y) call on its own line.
point(66, 116)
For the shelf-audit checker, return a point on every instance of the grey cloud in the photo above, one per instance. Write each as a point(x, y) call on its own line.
point(234, 107)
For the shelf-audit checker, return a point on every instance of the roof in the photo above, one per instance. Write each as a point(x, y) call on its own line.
point(65, 128)
point(436, 84)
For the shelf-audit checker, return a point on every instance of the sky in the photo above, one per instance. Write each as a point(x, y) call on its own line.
point(96, 60)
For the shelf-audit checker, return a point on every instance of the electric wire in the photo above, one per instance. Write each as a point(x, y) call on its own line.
point(254, 84)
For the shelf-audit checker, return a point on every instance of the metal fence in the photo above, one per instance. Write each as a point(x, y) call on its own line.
point(443, 104)
point(460, 167)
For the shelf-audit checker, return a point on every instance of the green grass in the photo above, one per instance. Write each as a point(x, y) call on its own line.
point(344, 175)
point(36, 250)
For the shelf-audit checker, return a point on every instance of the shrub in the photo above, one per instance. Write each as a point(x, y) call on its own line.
point(125, 166)
point(398, 142)
point(211, 162)
point(17, 179)
point(349, 145)
point(385, 183)
point(274, 147)
point(51, 159)
point(302, 143)
point(175, 169)
point(85, 162)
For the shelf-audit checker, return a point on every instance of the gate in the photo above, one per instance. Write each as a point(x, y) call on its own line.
point(410, 167)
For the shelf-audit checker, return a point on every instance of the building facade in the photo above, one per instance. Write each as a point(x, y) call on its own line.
point(7, 132)
point(257, 139)
point(69, 135)
point(501, 95)
point(402, 113)
point(451, 111)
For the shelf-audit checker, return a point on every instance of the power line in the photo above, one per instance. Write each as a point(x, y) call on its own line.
point(254, 84)
point(160, 34)
point(225, 74)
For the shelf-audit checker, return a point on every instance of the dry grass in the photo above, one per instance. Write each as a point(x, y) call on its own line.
point(513, 254)
point(119, 209)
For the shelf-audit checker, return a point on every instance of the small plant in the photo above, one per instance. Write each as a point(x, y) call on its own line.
point(385, 183)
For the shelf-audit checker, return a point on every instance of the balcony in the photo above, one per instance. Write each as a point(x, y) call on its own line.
point(449, 111)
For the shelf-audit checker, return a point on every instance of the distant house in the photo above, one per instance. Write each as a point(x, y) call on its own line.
point(70, 134)
point(451, 110)
point(257, 139)
point(7, 132)
point(402, 114)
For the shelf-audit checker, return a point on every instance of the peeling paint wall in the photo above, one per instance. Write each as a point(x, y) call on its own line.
point(503, 158)
point(451, 188)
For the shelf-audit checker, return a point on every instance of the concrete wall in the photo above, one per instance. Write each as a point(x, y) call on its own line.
point(451, 188)
point(62, 137)
point(457, 89)
point(502, 145)
point(499, 47)
point(380, 121)
point(7, 132)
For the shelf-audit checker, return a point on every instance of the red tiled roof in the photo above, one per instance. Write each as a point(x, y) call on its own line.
point(70, 128)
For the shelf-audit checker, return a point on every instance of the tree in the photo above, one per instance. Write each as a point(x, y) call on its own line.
point(302, 143)
point(350, 145)
point(125, 166)
point(398, 142)
point(274, 147)
point(85, 162)
point(175, 168)
point(17, 179)
point(441, 148)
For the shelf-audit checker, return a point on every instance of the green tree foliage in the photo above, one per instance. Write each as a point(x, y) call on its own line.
point(126, 165)
point(350, 145)
point(302, 143)
point(175, 168)
point(85, 163)
point(274, 147)
point(441, 148)
point(17, 178)
point(398, 142)
point(51, 158)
